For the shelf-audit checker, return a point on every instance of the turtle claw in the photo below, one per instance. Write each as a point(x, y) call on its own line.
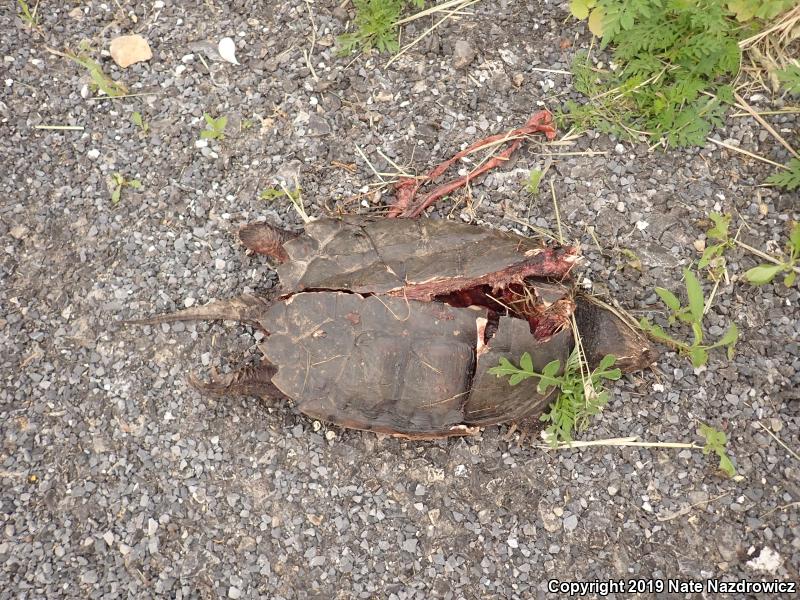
point(252, 380)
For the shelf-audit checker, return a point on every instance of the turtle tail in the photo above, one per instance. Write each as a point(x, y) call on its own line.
point(246, 308)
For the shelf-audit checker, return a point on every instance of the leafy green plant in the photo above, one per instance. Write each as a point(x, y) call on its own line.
point(692, 315)
point(673, 62)
point(273, 193)
point(766, 272)
point(716, 442)
point(579, 396)
point(789, 178)
point(714, 254)
point(790, 78)
point(30, 17)
point(118, 182)
point(294, 196)
point(376, 25)
point(215, 128)
point(100, 81)
point(136, 119)
point(534, 180)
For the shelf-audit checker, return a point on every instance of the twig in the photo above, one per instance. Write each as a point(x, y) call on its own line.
point(765, 125)
point(747, 152)
point(309, 53)
point(404, 49)
point(763, 255)
point(370, 165)
point(624, 441)
point(558, 214)
point(687, 509)
point(777, 439)
point(60, 127)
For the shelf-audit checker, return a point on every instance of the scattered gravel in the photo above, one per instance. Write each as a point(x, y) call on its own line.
point(117, 479)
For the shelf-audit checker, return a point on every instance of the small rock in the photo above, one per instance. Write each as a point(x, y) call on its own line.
point(93, 154)
point(570, 523)
point(18, 232)
point(129, 49)
point(463, 54)
point(234, 592)
point(317, 126)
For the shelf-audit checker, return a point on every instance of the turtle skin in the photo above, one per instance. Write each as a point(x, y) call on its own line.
point(391, 326)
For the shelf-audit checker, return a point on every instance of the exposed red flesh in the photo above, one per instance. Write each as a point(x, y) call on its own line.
point(406, 204)
point(553, 263)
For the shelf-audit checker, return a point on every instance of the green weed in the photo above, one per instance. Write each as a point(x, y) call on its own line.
point(766, 272)
point(30, 17)
point(534, 180)
point(692, 315)
point(790, 78)
point(215, 128)
point(716, 442)
point(714, 255)
point(674, 61)
point(100, 81)
point(294, 196)
point(118, 182)
point(789, 178)
point(579, 397)
point(376, 25)
point(136, 119)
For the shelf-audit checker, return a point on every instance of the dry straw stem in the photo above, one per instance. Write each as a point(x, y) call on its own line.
point(308, 53)
point(459, 6)
point(682, 512)
point(623, 441)
point(769, 50)
point(60, 127)
point(763, 255)
point(777, 439)
point(765, 125)
point(747, 153)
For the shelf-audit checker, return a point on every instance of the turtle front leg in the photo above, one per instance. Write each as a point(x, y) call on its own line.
point(252, 380)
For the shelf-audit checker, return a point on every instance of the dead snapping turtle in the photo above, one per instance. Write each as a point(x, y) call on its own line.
point(391, 325)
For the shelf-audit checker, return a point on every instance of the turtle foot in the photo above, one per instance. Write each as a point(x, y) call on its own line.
point(253, 380)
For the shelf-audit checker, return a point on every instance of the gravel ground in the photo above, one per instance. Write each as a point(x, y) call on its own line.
point(119, 480)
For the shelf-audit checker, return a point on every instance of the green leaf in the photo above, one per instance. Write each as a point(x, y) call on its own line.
point(135, 184)
point(551, 368)
point(715, 439)
point(580, 8)
point(789, 280)
point(613, 374)
point(136, 117)
point(698, 356)
point(721, 226)
point(655, 330)
point(504, 368)
point(606, 362)
point(517, 377)
point(794, 238)
point(788, 178)
point(762, 274)
point(525, 362)
point(534, 179)
point(668, 298)
point(726, 465)
point(115, 194)
point(730, 337)
point(221, 123)
point(208, 134)
point(695, 293)
point(743, 9)
point(596, 21)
